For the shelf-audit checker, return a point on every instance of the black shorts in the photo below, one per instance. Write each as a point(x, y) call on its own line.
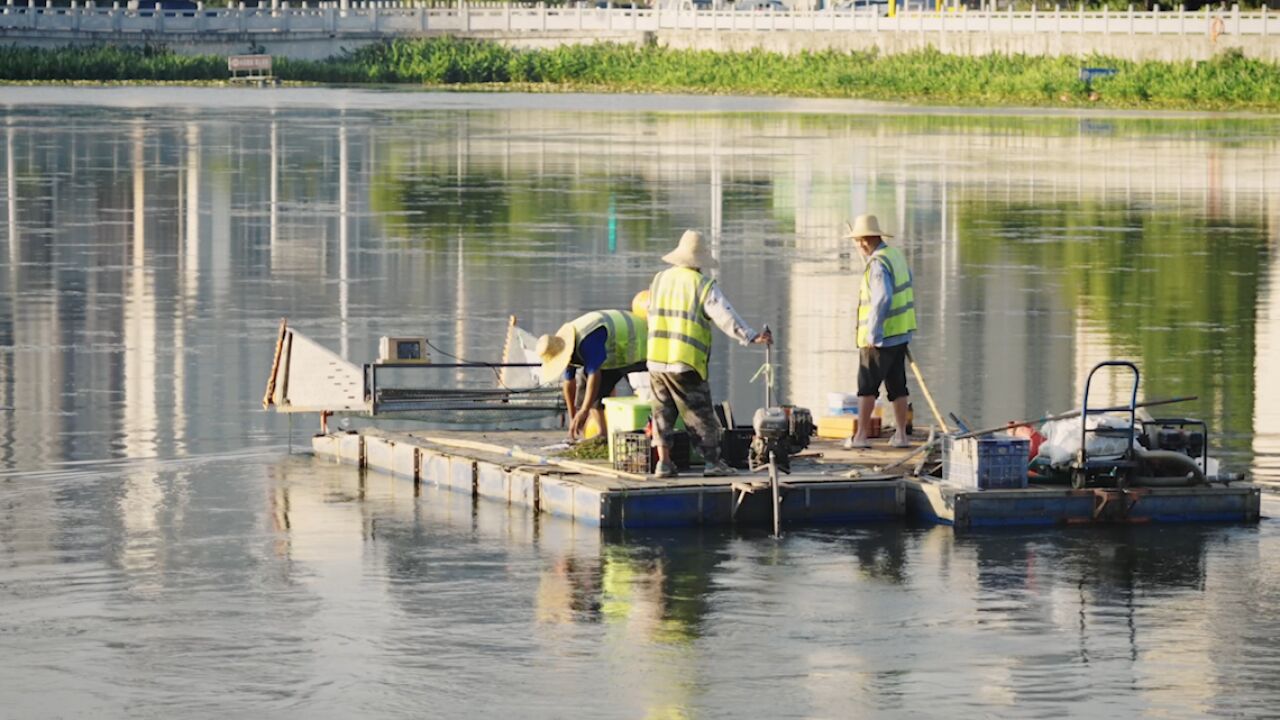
point(886, 365)
point(609, 379)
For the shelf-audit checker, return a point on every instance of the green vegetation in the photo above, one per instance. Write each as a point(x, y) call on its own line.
point(1175, 291)
point(597, 448)
point(427, 202)
point(107, 63)
point(1229, 81)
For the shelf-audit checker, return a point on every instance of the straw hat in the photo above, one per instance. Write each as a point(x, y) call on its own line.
point(864, 226)
point(555, 351)
point(692, 252)
point(640, 304)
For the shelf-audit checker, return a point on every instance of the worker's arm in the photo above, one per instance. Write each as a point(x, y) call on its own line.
point(881, 300)
point(589, 400)
point(726, 318)
point(593, 353)
point(570, 387)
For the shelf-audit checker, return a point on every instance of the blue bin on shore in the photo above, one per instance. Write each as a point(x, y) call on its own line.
point(1089, 74)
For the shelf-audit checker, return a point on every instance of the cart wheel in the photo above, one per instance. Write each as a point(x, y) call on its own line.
point(1078, 480)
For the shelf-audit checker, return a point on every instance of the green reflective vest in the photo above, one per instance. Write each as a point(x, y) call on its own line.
point(902, 312)
point(679, 329)
point(627, 333)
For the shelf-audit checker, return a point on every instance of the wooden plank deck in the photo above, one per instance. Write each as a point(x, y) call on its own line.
point(512, 466)
point(823, 460)
point(515, 468)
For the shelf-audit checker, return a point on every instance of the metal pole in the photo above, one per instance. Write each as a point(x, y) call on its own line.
point(777, 501)
point(768, 373)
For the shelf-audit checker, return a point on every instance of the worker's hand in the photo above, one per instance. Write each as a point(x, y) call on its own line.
point(764, 338)
point(579, 425)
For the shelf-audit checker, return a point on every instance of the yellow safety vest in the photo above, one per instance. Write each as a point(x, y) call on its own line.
point(902, 312)
point(679, 329)
point(627, 334)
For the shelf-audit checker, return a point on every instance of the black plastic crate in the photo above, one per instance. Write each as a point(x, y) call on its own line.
point(735, 446)
point(635, 453)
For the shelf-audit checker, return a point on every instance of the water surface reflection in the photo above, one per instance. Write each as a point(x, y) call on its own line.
point(245, 581)
point(826, 622)
point(148, 255)
point(161, 553)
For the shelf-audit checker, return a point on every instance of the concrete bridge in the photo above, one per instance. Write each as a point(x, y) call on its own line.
point(320, 32)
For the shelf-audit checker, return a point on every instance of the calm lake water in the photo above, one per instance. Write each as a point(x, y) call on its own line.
point(162, 554)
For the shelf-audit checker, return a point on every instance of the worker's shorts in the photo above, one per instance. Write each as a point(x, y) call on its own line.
point(609, 380)
point(886, 365)
point(689, 395)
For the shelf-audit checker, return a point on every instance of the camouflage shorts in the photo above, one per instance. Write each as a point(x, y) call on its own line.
point(690, 395)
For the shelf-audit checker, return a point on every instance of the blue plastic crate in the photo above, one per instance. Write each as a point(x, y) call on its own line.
point(986, 463)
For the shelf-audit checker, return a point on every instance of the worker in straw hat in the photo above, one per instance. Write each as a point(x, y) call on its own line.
point(886, 322)
point(683, 304)
point(606, 345)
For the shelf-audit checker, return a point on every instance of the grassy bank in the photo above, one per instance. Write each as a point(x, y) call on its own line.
point(1228, 82)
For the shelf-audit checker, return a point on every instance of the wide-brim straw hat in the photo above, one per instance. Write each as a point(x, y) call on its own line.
point(864, 226)
point(556, 351)
point(692, 252)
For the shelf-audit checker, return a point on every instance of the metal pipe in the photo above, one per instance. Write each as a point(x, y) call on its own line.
point(777, 500)
point(768, 373)
point(1074, 413)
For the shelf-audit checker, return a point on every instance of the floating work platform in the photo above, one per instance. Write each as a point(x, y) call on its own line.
point(929, 499)
point(508, 467)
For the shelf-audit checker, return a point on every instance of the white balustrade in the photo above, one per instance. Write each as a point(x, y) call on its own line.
point(339, 18)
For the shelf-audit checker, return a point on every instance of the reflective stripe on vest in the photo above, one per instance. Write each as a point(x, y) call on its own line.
point(626, 332)
point(901, 318)
point(679, 329)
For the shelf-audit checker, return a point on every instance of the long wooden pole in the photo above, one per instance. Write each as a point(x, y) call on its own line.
point(928, 396)
point(1076, 413)
point(571, 465)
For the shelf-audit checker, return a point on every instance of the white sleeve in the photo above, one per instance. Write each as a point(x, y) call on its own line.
point(726, 318)
point(881, 300)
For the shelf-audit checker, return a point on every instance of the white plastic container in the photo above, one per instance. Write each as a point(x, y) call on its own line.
point(842, 403)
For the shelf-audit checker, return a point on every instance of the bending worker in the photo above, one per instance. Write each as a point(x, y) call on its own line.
point(886, 321)
point(683, 303)
point(606, 344)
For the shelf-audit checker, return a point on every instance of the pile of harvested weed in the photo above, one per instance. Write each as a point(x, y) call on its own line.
point(596, 448)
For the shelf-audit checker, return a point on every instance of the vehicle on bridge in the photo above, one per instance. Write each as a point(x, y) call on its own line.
point(864, 7)
point(761, 6)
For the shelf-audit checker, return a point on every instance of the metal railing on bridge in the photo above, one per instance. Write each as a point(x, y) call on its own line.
point(408, 18)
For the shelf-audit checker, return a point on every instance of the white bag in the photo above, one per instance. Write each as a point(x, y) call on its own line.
point(1062, 439)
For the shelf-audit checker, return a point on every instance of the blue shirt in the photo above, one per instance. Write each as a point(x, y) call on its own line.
point(590, 354)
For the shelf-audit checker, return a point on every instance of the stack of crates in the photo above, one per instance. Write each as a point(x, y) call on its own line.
point(623, 414)
point(626, 414)
point(992, 462)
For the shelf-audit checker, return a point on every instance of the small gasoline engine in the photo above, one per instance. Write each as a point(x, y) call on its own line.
point(783, 431)
point(1181, 435)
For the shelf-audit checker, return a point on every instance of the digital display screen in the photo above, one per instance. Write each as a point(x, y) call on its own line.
point(408, 350)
